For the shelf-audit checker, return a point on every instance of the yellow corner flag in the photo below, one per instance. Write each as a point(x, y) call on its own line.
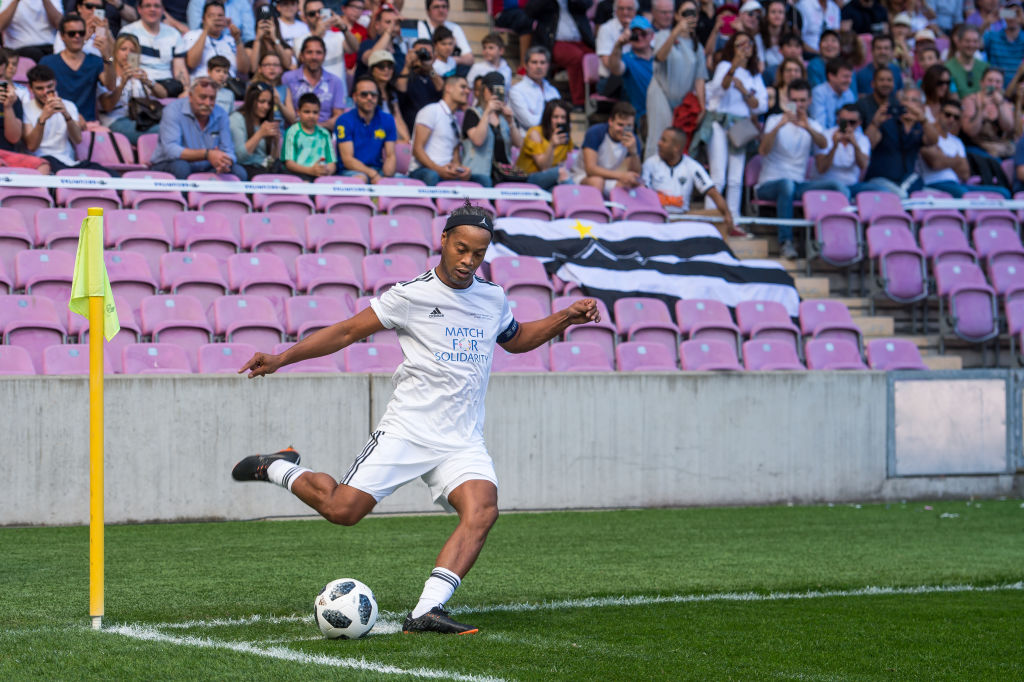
point(90, 278)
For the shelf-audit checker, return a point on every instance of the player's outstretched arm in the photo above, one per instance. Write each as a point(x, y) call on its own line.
point(533, 334)
point(321, 342)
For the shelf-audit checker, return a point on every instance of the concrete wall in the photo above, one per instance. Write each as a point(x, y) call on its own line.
point(558, 441)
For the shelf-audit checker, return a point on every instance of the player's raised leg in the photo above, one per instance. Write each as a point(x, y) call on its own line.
point(476, 501)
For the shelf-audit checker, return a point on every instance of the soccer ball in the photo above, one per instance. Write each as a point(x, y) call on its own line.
point(345, 609)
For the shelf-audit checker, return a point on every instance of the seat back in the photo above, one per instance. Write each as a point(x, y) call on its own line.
point(71, 358)
point(155, 358)
point(818, 311)
point(832, 354)
point(15, 360)
point(636, 356)
point(224, 358)
point(259, 273)
point(768, 355)
point(372, 357)
point(892, 354)
point(306, 314)
point(950, 275)
point(631, 311)
point(45, 272)
point(248, 319)
point(381, 271)
point(707, 354)
point(578, 356)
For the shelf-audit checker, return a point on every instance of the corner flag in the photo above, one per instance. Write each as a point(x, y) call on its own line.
point(90, 277)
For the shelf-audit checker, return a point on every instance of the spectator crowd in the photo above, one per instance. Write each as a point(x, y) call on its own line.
point(772, 98)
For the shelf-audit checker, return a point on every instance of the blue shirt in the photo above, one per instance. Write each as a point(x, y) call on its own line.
point(367, 138)
point(635, 80)
point(825, 103)
point(1003, 54)
point(78, 86)
point(238, 11)
point(179, 130)
point(816, 72)
point(863, 78)
point(1018, 161)
point(330, 90)
point(897, 152)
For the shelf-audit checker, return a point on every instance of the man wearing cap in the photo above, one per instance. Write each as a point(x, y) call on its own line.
point(449, 323)
point(881, 58)
point(865, 16)
point(1005, 48)
point(817, 16)
point(607, 34)
point(366, 135)
point(636, 66)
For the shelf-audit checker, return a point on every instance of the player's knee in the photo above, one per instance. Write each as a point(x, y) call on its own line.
point(343, 515)
point(482, 518)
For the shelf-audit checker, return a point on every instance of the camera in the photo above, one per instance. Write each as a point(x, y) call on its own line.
point(265, 13)
point(897, 110)
point(424, 55)
point(636, 34)
point(843, 126)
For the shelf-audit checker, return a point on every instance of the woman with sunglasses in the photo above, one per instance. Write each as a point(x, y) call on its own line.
point(937, 85)
point(131, 81)
point(680, 71)
point(382, 69)
point(257, 136)
point(269, 72)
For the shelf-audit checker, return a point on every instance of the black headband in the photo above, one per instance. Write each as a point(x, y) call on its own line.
point(483, 221)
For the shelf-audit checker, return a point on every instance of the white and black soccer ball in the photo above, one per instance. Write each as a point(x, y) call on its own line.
point(345, 609)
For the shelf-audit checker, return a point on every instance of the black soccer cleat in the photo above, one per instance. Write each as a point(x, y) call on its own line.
point(254, 467)
point(436, 620)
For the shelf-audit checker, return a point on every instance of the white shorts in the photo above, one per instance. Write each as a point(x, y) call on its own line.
point(387, 463)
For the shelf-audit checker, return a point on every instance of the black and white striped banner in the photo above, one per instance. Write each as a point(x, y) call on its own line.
point(668, 261)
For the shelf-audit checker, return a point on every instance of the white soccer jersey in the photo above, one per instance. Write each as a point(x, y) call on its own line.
point(448, 337)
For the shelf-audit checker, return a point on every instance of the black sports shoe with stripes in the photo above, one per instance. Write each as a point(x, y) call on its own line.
point(436, 620)
point(254, 467)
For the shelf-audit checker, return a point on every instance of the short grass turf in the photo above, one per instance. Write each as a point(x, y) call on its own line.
point(160, 574)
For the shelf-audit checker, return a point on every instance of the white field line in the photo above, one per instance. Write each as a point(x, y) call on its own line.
point(285, 654)
point(390, 622)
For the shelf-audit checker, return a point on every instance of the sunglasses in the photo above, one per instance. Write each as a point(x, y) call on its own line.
point(689, 14)
point(367, 94)
point(93, 7)
point(945, 82)
point(75, 34)
point(384, 65)
point(313, 14)
point(955, 117)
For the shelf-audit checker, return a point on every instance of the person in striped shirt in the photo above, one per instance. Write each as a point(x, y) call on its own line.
point(308, 150)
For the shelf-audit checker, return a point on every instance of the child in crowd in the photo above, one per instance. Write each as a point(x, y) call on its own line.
point(219, 69)
point(444, 49)
point(309, 150)
point(494, 60)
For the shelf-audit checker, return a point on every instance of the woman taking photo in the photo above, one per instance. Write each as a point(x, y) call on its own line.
point(735, 94)
point(269, 72)
point(257, 136)
point(546, 146)
point(988, 123)
point(131, 81)
point(680, 71)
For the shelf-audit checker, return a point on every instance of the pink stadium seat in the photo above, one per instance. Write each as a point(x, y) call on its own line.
point(526, 309)
point(769, 356)
point(893, 354)
point(193, 273)
point(71, 358)
point(155, 358)
point(98, 147)
point(970, 301)
point(59, 228)
point(998, 243)
point(304, 315)
point(224, 358)
point(247, 319)
point(380, 358)
point(829, 320)
point(141, 231)
point(602, 333)
point(382, 271)
point(131, 331)
point(6, 281)
point(93, 197)
point(14, 237)
point(403, 154)
point(523, 276)
point(225, 203)
point(32, 323)
point(359, 207)
point(207, 232)
point(637, 356)
point(446, 205)
point(767, 320)
point(902, 269)
point(339, 234)
point(327, 274)
point(43, 272)
point(522, 208)
point(989, 217)
point(417, 207)
point(883, 209)
point(591, 73)
point(706, 319)
point(146, 146)
point(838, 238)
point(706, 356)
point(323, 364)
point(296, 206)
point(400, 234)
point(178, 319)
point(533, 361)
point(573, 356)
point(15, 360)
point(436, 229)
point(1007, 279)
point(831, 355)
point(645, 319)
point(25, 200)
point(130, 277)
point(273, 233)
point(262, 274)
point(640, 204)
point(581, 202)
point(942, 243)
point(947, 218)
point(388, 336)
point(165, 203)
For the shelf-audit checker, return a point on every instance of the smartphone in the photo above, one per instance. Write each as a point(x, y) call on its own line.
point(326, 13)
point(790, 107)
point(133, 61)
point(264, 13)
point(499, 92)
point(100, 13)
point(1007, 13)
point(410, 29)
point(564, 128)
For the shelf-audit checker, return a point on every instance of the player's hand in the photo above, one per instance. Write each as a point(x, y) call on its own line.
point(583, 311)
point(261, 364)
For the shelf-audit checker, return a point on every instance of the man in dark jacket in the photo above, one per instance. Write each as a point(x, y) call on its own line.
point(568, 41)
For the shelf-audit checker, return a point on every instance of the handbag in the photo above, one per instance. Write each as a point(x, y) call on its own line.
point(146, 111)
point(506, 172)
point(742, 133)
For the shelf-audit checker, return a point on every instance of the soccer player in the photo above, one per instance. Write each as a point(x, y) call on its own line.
point(448, 322)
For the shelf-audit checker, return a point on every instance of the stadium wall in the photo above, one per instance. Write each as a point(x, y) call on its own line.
point(558, 441)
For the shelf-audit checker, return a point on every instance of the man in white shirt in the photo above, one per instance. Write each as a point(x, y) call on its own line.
point(436, 138)
point(217, 37)
point(437, 15)
point(607, 35)
point(29, 26)
point(448, 322)
point(160, 42)
point(945, 164)
point(528, 97)
point(53, 125)
point(785, 149)
point(610, 155)
point(847, 154)
point(673, 175)
point(817, 16)
point(335, 45)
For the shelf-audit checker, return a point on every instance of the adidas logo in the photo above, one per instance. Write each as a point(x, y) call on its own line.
point(435, 313)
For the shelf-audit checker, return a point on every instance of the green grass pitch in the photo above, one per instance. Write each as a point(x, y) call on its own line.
point(732, 593)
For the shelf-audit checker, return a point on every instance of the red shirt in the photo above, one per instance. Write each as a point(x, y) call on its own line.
point(360, 32)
